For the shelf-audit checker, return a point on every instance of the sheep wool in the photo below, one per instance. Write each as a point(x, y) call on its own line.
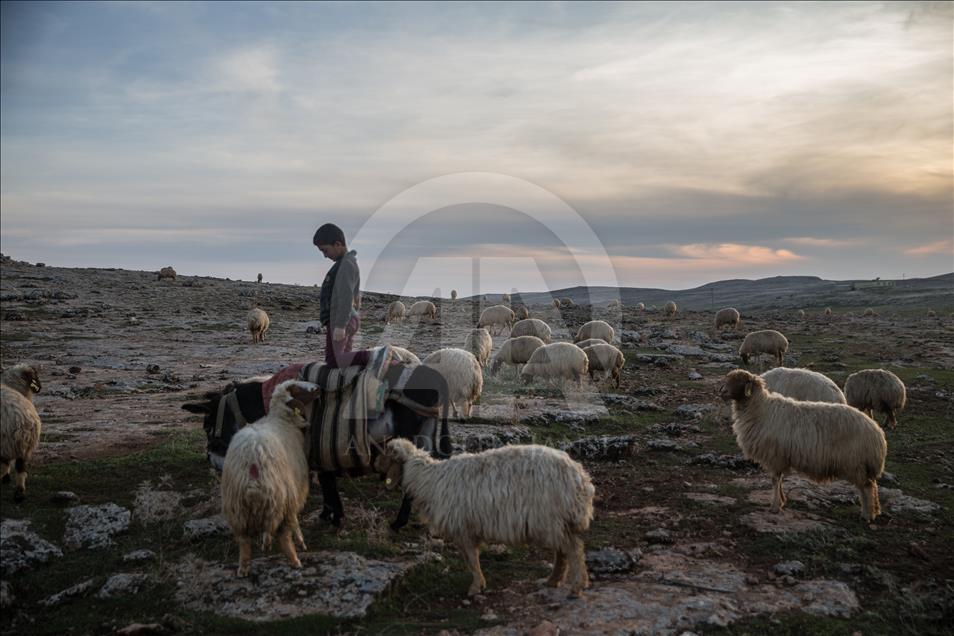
point(607, 358)
point(257, 321)
point(559, 360)
point(822, 441)
point(532, 327)
point(167, 272)
point(803, 385)
point(516, 495)
point(424, 308)
point(479, 343)
point(766, 341)
point(265, 475)
point(873, 390)
point(595, 329)
point(396, 312)
point(728, 316)
point(521, 312)
point(462, 372)
point(496, 318)
point(404, 355)
point(516, 351)
point(670, 309)
point(20, 425)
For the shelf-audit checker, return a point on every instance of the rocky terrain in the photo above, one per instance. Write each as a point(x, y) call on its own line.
point(121, 529)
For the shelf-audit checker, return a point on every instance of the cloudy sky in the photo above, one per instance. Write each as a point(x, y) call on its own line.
point(488, 145)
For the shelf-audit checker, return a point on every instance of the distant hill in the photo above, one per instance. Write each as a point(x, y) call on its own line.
point(775, 292)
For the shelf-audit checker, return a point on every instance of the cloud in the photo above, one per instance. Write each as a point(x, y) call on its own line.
point(809, 241)
point(929, 249)
point(734, 254)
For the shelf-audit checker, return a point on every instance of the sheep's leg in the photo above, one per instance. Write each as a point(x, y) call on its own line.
point(891, 419)
point(578, 578)
point(776, 493)
point(471, 554)
point(287, 547)
point(403, 515)
point(245, 554)
point(559, 570)
point(5, 471)
point(466, 407)
point(296, 531)
point(781, 490)
point(454, 410)
point(870, 506)
point(20, 493)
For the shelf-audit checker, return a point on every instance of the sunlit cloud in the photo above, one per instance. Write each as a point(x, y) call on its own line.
point(736, 254)
point(810, 241)
point(937, 247)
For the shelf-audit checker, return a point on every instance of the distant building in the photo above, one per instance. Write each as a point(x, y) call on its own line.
point(869, 284)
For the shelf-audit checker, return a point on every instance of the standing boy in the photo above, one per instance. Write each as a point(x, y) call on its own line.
point(340, 298)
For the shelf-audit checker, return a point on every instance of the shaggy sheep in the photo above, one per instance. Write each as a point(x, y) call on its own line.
point(19, 423)
point(521, 312)
point(505, 298)
point(496, 318)
point(583, 344)
point(396, 311)
point(257, 321)
point(558, 360)
point(404, 355)
point(453, 294)
point(803, 385)
point(260, 277)
point(828, 312)
point(265, 476)
point(822, 441)
point(465, 380)
point(516, 351)
point(167, 272)
point(876, 390)
point(670, 309)
point(640, 307)
point(556, 303)
point(607, 358)
point(728, 316)
point(766, 341)
point(566, 302)
point(424, 308)
point(532, 327)
point(516, 495)
point(595, 329)
point(479, 343)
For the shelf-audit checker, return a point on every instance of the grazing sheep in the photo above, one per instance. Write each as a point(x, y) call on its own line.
point(167, 272)
point(516, 495)
point(595, 329)
point(801, 314)
point(424, 309)
point(19, 423)
point(532, 327)
point(516, 351)
point(607, 358)
point(265, 476)
point(396, 312)
point(257, 321)
point(557, 360)
point(453, 294)
point(803, 385)
point(505, 298)
point(521, 312)
point(822, 441)
point(404, 355)
point(479, 343)
point(670, 309)
point(876, 390)
point(583, 344)
point(566, 302)
point(465, 380)
point(260, 277)
point(828, 312)
point(613, 304)
point(640, 307)
point(766, 341)
point(496, 318)
point(869, 313)
point(556, 303)
point(728, 316)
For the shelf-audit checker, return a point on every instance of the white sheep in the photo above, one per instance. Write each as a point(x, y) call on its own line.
point(556, 303)
point(166, 272)
point(670, 309)
point(505, 298)
point(424, 309)
point(828, 312)
point(465, 380)
point(583, 344)
point(495, 318)
point(728, 316)
point(872, 390)
point(257, 321)
point(265, 476)
point(19, 424)
point(640, 306)
point(396, 312)
point(607, 358)
point(515, 495)
point(479, 343)
point(800, 314)
point(803, 385)
point(559, 360)
point(516, 351)
point(405, 356)
point(595, 329)
point(532, 327)
point(766, 341)
point(823, 441)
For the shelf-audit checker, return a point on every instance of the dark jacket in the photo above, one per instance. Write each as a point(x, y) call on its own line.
point(340, 291)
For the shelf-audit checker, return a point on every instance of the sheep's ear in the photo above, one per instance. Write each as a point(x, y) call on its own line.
point(748, 388)
point(303, 396)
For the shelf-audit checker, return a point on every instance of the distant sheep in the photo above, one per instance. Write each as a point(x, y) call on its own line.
point(516, 495)
point(728, 316)
point(465, 380)
point(556, 303)
point(167, 272)
point(559, 360)
point(589, 342)
point(424, 309)
point(822, 441)
point(613, 304)
point(869, 313)
point(766, 341)
point(516, 350)
point(505, 298)
point(521, 312)
point(260, 277)
point(532, 327)
point(404, 355)
point(567, 302)
point(479, 343)
point(931, 313)
point(607, 358)
point(396, 312)
point(257, 321)
point(803, 385)
point(828, 312)
point(453, 294)
point(800, 314)
point(876, 390)
point(20, 425)
point(496, 318)
point(640, 307)
point(595, 329)
point(670, 309)
point(265, 476)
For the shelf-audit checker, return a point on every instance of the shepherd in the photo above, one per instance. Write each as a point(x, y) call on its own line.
point(340, 298)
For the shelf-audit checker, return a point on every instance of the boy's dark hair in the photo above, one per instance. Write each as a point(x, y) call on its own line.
point(328, 234)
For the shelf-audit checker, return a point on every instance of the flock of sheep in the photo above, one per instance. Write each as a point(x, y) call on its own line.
point(787, 420)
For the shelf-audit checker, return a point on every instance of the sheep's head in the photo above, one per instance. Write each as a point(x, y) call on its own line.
point(24, 378)
point(740, 385)
point(390, 464)
point(294, 396)
point(495, 366)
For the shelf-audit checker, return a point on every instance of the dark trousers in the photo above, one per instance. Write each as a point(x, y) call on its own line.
point(339, 354)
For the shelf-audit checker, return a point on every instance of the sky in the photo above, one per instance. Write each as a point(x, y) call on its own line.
point(481, 147)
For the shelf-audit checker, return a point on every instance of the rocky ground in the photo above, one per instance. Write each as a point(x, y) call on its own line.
point(120, 529)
